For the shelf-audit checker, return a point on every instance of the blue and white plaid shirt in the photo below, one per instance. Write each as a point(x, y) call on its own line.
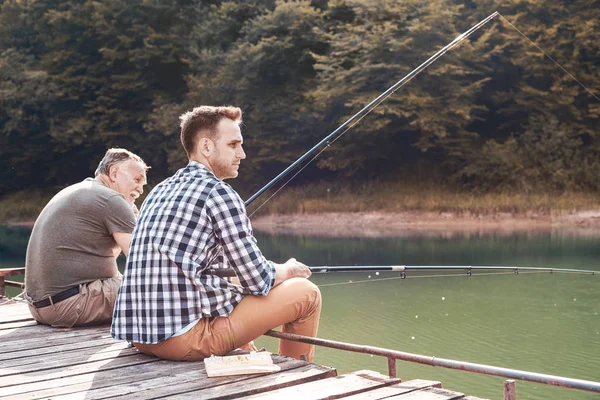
point(189, 224)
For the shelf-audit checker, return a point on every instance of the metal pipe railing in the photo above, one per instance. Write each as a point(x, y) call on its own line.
point(393, 355)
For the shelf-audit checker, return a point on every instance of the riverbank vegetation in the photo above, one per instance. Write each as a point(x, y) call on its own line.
point(493, 117)
point(23, 206)
point(348, 197)
point(426, 198)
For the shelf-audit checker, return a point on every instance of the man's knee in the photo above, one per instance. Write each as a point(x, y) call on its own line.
point(304, 289)
point(314, 292)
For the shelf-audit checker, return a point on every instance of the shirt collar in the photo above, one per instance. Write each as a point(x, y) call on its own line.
point(196, 167)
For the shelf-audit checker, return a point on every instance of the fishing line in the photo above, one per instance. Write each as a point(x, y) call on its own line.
point(547, 55)
point(289, 180)
point(308, 162)
point(352, 121)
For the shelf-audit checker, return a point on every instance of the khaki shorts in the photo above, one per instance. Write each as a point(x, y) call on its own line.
point(93, 305)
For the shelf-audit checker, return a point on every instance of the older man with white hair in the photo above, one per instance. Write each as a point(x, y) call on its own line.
point(71, 275)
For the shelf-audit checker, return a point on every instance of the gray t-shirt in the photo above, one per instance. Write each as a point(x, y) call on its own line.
point(72, 243)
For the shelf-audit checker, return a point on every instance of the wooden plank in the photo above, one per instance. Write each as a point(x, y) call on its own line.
point(43, 332)
point(13, 312)
point(69, 356)
point(34, 330)
point(67, 347)
point(15, 306)
point(197, 380)
point(430, 394)
point(10, 311)
point(53, 361)
point(8, 319)
point(395, 389)
point(348, 384)
point(93, 366)
point(136, 387)
point(54, 340)
point(259, 384)
point(194, 378)
point(166, 376)
point(20, 332)
point(18, 324)
point(103, 378)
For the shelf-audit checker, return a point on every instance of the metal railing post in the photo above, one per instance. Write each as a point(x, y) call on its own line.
point(510, 390)
point(392, 367)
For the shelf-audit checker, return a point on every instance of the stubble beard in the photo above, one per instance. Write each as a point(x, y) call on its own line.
point(224, 170)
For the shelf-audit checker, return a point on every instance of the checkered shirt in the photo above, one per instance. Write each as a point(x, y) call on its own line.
point(189, 224)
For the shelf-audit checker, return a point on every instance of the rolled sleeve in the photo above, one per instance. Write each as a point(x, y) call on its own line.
point(233, 230)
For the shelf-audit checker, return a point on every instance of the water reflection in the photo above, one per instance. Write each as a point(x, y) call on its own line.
point(13, 245)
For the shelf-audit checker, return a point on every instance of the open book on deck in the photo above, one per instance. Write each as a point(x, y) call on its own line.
point(252, 363)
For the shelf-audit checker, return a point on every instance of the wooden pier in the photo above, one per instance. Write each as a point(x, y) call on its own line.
point(39, 362)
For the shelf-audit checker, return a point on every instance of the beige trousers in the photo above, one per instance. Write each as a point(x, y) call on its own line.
point(295, 305)
point(93, 305)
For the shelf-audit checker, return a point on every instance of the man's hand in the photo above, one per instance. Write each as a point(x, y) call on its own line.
point(291, 269)
point(135, 210)
point(296, 269)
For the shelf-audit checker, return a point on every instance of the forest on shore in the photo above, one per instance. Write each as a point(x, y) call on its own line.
point(492, 115)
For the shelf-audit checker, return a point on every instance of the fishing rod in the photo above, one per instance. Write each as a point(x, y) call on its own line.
point(403, 269)
point(369, 107)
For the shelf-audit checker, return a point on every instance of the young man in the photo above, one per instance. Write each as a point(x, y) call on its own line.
point(172, 303)
point(71, 275)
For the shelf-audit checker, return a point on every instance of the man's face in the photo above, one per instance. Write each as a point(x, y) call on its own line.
point(129, 178)
point(228, 152)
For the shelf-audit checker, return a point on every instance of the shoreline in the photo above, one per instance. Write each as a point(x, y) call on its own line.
point(387, 224)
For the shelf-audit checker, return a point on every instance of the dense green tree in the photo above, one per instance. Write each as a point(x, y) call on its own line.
point(372, 47)
point(79, 76)
point(106, 62)
point(546, 156)
point(25, 98)
point(526, 86)
point(261, 60)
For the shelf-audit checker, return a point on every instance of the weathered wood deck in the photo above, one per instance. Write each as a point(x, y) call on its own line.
point(39, 362)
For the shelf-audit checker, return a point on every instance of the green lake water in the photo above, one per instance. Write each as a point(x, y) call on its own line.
point(545, 323)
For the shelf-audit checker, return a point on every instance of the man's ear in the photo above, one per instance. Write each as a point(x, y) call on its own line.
point(112, 172)
point(206, 146)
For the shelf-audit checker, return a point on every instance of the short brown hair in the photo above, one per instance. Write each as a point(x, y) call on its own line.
point(116, 156)
point(202, 121)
